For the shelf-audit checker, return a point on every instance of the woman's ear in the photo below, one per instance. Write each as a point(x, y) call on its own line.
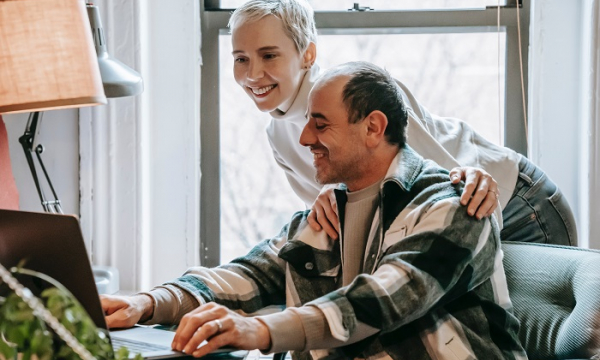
point(310, 55)
point(376, 123)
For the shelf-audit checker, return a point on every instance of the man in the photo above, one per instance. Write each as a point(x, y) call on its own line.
point(413, 276)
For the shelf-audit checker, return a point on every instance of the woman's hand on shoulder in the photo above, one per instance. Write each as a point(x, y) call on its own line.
point(480, 193)
point(324, 213)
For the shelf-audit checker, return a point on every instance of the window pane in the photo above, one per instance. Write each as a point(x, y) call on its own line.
point(459, 75)
point(341, 5)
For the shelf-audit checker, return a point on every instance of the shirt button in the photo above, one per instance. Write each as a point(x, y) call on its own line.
point(309, 266)
point(372, 256)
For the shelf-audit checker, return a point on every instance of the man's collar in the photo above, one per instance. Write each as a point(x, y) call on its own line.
point(403, 170)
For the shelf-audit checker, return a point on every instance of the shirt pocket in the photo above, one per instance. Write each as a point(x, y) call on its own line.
point(394, 235)
point(308, 261)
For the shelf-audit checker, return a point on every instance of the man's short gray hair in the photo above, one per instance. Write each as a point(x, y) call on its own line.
point(297, 17)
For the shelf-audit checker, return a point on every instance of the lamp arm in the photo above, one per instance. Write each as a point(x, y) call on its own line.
point(54, 205)
point(27, 141)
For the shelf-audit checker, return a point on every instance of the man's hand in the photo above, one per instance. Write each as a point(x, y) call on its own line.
point(480, 192)
point(126, 311)
point(323, 214)
point(219, 326)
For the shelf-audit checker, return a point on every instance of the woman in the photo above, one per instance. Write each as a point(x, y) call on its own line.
point(274, 61)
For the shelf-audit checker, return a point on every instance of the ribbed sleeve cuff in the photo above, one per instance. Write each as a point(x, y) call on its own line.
point(296, 329)
point(170, 304)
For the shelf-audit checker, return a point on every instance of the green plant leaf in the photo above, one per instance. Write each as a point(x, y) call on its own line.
point(29, 336)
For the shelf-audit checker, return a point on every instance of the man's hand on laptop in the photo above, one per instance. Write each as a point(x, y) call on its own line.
point(126, 311)
point(219, 326)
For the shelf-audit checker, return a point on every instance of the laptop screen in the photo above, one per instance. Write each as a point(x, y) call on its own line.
point(53, 245)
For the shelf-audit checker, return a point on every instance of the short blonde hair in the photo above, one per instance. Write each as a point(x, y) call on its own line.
point(297, 17)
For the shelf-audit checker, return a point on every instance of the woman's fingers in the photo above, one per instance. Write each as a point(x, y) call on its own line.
point(480, 193)
point(312, 219)
point(323, 214)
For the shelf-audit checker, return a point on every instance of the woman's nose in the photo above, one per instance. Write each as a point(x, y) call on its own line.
point(255, 71)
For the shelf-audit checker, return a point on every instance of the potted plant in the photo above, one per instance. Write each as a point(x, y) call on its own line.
point(54, 326)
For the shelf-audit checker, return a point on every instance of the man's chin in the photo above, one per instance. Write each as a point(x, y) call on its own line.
point(324, 179)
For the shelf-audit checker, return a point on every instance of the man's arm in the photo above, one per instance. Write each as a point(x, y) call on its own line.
point(445, 255)
point(248, 283)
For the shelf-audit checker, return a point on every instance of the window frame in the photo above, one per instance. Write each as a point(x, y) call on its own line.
point(214, 20)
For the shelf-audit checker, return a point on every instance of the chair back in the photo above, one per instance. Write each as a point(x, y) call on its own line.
point(555, 292)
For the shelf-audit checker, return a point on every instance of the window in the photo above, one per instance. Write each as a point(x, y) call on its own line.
point(453, 60)
point(341, 5)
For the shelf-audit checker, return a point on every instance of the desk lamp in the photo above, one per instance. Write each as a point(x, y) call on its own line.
point(47, 62)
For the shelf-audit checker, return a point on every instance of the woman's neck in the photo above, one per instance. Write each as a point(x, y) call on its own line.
point(286, 105)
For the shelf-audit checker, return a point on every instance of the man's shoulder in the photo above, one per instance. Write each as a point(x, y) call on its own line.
point(419, 181)
point(432, 183)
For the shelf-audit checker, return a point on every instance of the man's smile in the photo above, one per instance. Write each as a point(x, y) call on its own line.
point(318, 154)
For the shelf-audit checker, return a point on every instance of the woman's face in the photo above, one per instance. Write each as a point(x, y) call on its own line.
point(267, 64)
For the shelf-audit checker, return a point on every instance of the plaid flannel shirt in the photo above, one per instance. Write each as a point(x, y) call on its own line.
point(432, 287)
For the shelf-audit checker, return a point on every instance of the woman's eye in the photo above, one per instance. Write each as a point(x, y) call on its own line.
point(240, 60)
point(270, 56)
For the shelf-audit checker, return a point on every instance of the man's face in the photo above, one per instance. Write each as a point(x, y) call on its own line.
point(338, 147)
point(267, 64)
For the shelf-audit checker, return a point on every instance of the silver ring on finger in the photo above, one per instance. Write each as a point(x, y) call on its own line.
point(495, 193)
point(219, 325)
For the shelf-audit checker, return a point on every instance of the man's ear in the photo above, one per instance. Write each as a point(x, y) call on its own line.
point(376, 123)
point(310, 55)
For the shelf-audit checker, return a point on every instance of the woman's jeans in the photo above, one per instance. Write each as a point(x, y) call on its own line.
point(538, 211)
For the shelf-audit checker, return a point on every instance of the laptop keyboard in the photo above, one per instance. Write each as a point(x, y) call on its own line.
point(135, 346)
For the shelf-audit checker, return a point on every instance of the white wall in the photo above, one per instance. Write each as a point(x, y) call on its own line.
point(559, 65)
point(555, 91)
point(58, 133)
point(171, 66)
point(140, 156)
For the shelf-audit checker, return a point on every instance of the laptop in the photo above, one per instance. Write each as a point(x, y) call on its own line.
point(53, 244)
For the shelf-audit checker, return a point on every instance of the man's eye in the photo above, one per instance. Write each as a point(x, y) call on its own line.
point(320, 126)
point(240, 60)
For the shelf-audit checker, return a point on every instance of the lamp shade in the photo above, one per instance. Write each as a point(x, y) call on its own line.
point(47, 56)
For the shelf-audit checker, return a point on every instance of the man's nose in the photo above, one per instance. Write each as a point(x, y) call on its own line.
point(307, 137)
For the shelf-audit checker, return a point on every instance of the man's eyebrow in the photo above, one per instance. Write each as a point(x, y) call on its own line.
point(262, 49)
point(318, 116)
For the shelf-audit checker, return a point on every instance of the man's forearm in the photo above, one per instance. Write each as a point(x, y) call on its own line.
point(167, 305)
point(146, 305)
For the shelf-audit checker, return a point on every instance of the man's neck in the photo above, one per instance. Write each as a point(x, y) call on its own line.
point(379, 165)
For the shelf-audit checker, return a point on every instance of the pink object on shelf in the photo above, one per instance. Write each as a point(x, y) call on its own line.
point(9, 195)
